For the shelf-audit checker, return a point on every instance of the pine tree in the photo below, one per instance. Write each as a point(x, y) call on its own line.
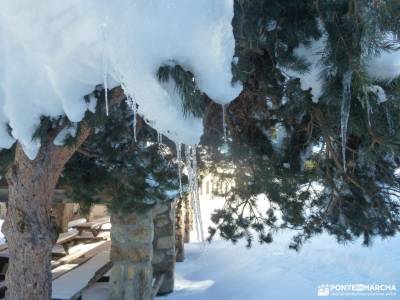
point(334, 170)
point(29, 196)
point(131, 173)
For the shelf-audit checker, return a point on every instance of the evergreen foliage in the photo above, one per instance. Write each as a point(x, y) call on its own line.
point(185, 84)
point(309, 185)
point(112, 168)
point(318, 169)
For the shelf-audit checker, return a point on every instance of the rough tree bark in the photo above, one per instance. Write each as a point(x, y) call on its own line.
point(164, 246)
point(131, 253)
point(28, 224)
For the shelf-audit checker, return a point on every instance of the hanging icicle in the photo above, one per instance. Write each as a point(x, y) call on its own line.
point(197, 196)
point(179, 159)
point(105, 63)
point(135, 124)
point(133, 106)
point(369, 112)
point(159, 138)
point(224, 120)
point(389, 120)
point(134, 121)
point(191, 167)
point(345, 112)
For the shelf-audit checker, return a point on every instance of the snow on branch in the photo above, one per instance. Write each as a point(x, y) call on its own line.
point(54, 53)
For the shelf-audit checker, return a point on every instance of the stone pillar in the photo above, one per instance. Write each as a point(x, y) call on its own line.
point(131, 253)
point(180, 230)
point(63, 213)
point(164, 245)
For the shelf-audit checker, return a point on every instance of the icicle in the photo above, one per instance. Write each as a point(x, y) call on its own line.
point(134, 121)
point(159, 137)
point(345, 112)
point(224, 120)
point(191, 167)
point(389, 120)
point(105, 64)
point(133, 106)
point(197, 197)
point(369, 112)
point(179, 159)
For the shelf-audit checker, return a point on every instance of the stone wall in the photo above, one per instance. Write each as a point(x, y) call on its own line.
point(188, 217)
point(180, 230)
point(63, 214)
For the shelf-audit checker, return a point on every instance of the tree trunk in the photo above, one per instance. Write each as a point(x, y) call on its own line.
point(164, 246)
point(28, 226)
point(131, 254)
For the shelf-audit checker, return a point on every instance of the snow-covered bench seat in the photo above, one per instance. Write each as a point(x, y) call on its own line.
point(71, 285)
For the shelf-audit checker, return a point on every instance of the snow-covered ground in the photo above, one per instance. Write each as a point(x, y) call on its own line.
point(233, 272)
point(221, 270)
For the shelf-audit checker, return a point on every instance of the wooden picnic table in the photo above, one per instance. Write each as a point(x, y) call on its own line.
point(95, 226)
point(71, 285)
point(66, 238)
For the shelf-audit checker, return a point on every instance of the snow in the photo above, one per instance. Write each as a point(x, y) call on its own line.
point(226, 271)
point(277, 136)
point(68, 285)
point(385, 66)
point(65, 133)
point(378, 91)
point(311, 79)
point(98, 291)
point(53, 54)
point(272, 24)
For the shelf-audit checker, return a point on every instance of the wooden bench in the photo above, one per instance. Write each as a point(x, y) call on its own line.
point(95, 227)
point(71, 285)
point(76, 263)
point(65, 239)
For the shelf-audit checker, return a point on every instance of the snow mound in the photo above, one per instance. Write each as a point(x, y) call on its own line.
point(54, 53)
point(385, 66)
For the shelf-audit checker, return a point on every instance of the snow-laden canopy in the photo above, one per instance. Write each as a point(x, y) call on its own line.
point(53, 53)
